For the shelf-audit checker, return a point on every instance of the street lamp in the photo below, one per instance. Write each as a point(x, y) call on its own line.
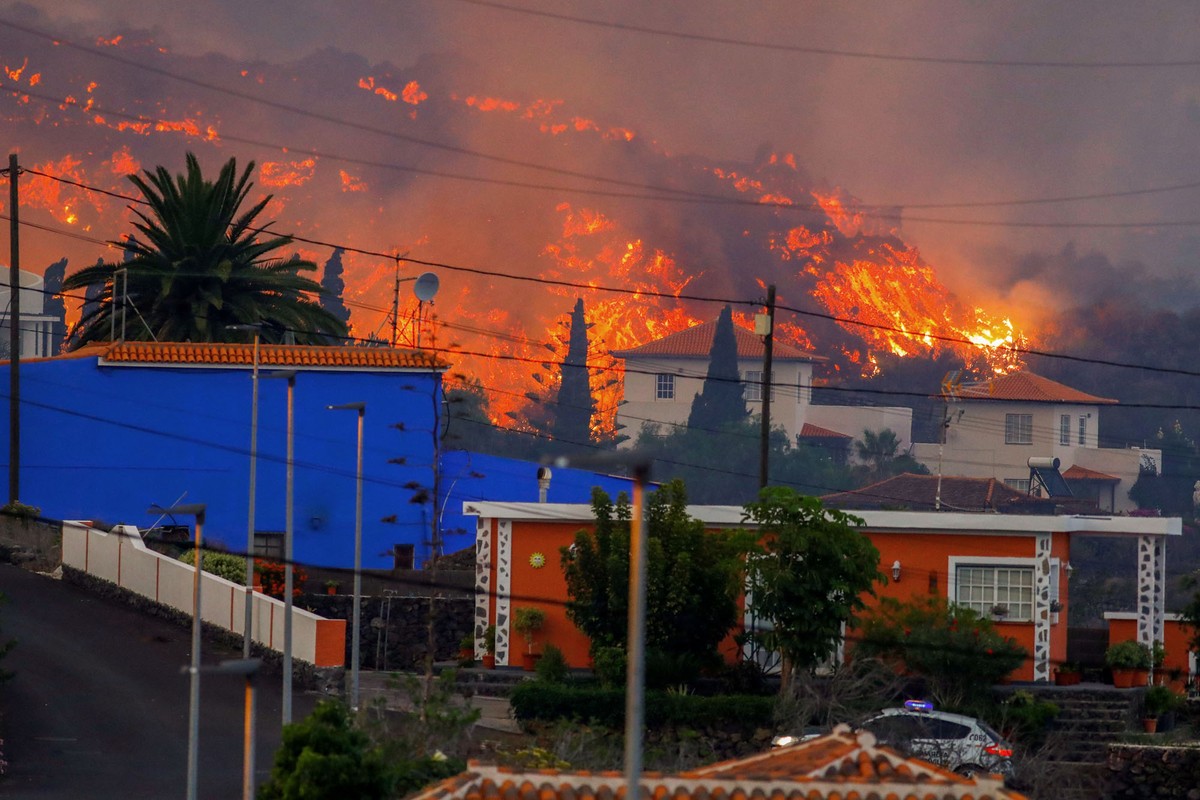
point(290, 376)
point(249, 622)
point(249, 668)
point(361, 408)
point(639, 466)
point(197, 510)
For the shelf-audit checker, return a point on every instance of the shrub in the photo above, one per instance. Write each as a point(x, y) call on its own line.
point(609, 665)
point(1160, 700)
point(552, 666)
point(273, 577)
point(1128, 654)
point(959, 653)
point(537, 700)
point(224, 565)
point(1025, 718)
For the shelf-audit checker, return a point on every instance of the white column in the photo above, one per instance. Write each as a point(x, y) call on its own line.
point(483, 583)
point(1149, 588)
point(503, 588)
point(1041, 608)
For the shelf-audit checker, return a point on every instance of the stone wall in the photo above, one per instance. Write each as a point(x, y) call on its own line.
point(31, 542)
point(395, 630)
point(1136, 771)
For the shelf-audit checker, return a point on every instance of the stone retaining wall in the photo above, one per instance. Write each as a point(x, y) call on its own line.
point(1137, 771)
point(31, 542)
point(395, 630)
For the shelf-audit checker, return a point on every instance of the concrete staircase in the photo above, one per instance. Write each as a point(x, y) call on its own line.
point(483, 689)
point(1091, 716)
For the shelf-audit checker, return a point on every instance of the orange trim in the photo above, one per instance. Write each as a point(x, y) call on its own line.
point(330, 647)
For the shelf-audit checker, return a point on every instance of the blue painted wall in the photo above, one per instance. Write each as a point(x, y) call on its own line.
point(108, 442)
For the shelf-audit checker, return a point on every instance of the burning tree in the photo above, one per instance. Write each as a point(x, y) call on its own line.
point(573, 417)
point(199, 266)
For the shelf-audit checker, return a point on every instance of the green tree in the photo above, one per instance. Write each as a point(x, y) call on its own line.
point(327, 756)
point(720, 401)
point(692, 580)
point(808, 576)
point(198, 264)
point(53, 305)
point(575, 405)
point(959, 653)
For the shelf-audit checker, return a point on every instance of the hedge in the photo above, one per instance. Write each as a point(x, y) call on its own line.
point(539, 700)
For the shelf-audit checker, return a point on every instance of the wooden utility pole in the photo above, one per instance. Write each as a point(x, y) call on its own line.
point(768, 342)
point(14, 335)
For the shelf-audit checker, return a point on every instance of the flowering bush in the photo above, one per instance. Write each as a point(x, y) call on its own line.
point(958, 652)
point(272, 576)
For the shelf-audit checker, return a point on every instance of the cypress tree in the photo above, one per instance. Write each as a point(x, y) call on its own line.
point(53, 304)
point(575, 404)
point(334, 286)
point(720, 401)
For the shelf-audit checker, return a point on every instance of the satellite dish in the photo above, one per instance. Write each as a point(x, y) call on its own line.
point(426, 287)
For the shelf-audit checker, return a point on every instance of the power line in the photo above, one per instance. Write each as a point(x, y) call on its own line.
point(833, 52)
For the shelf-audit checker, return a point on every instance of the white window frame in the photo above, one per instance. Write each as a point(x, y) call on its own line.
point(1082, 429)
point(664, 386)
point(1064, 429)
point(1015, 431)
point(753, 386)
point(955, 562)
point(1020, 484)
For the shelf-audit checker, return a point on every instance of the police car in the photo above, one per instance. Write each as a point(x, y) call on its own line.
point(963, 744)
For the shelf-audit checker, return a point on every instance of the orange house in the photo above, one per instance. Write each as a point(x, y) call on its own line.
point(981, 560)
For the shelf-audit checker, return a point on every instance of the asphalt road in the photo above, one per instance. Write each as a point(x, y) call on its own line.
point(98, 707)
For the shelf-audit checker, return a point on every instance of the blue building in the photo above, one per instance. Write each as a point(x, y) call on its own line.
point(109, 431)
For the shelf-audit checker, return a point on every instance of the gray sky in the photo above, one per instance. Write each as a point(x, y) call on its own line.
point(887, 131)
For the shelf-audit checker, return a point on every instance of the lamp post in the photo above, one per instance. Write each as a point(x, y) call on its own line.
point(193, 767)
point(361, 408)
point(639, 466)
point(290, 376)
point(249, 621)
point(247, 667)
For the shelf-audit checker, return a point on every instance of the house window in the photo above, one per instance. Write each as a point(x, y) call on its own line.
point(268, 545)
point(1064, 429)
point(1083, 430)
point(753, 391)
point(1020, 484)
point(981, 588)
point(1018, 428)
point(664, 386)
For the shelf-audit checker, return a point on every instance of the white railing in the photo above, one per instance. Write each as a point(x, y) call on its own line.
point(122, 558)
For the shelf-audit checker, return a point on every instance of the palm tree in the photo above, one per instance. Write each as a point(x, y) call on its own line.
point(196, 266)
point(877, 450)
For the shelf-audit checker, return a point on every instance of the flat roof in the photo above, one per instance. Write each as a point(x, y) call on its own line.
point(882, 521)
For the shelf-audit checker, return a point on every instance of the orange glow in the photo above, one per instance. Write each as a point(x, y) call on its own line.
point(413, 94)
point(61, 200)
point(287, 173)
point(113, 42)
point(351, 183)
point(123, 163)
point(15, 74)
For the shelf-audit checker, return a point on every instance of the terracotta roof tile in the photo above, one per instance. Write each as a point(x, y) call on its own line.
point(697, 342)
point(920, 492)
point(1028, 387)
point(840, 766)
point(808, 430)
point(270, 356)
point(1077, 473)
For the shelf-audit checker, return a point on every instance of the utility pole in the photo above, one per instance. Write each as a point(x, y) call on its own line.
point(764, 325)
point(396, 301)
point(14, 334)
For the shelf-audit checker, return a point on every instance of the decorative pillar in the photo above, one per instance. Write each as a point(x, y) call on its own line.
point(483, 583)
point(1151, 583)
point(1041, 608)
point(503, 587)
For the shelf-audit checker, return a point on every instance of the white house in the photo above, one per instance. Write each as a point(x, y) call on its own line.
point(994, 427)
point(37, 327)
point(662, 377)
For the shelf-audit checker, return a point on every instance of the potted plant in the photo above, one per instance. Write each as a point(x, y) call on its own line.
point(489, 646)
point(999, 612)
point(1067, 674)
point(1127, 660)
point(331, 586)
point(527, 621)
point(466, 650)
point(1159, 702)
